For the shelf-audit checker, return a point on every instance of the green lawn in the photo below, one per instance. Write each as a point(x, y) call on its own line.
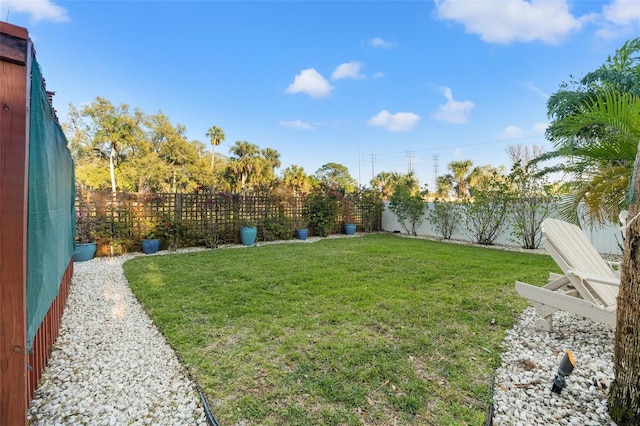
point(349, 331)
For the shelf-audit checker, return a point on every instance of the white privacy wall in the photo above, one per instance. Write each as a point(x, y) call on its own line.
point(606, 240)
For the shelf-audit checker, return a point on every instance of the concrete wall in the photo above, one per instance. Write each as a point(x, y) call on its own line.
point(606, 239)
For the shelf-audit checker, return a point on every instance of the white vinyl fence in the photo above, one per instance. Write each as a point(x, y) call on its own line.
point(606, 239)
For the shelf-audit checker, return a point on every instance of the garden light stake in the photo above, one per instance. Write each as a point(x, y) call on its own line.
point(566, 367)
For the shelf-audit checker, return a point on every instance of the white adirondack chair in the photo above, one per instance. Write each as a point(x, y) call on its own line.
point(589, 286)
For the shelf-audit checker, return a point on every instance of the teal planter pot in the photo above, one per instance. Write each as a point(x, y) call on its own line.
point(150, 246)
point(248, 235)
point(349, 228)
point(84, 252)
point(302, 233)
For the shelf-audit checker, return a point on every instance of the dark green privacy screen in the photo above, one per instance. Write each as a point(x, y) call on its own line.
point(51, 223)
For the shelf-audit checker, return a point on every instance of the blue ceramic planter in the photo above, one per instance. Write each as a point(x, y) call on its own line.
point(150, 246)
point(302, 233)
point(248, 235)
point(84, 252)
point(349, 228)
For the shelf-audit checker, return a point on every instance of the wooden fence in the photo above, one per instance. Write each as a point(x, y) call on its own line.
point(19, 370)
point(123, 219)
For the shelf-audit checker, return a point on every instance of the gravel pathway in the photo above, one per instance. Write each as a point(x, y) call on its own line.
point(111, 366)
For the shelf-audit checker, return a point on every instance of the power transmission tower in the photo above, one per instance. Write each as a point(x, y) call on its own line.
point(410, 160)
point(436, 161)
point(373, 161)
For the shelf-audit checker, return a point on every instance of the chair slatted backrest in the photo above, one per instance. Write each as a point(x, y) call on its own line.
point(571, 249)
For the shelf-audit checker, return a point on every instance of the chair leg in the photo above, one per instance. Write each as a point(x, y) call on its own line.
point(545, 323)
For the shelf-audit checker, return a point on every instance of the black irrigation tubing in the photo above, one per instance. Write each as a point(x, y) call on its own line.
point(490, 411)
point(207, 410)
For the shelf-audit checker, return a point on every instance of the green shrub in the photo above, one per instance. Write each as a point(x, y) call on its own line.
point(321, 209)
point(445, 218)
point(277, 228)
point(408, 207)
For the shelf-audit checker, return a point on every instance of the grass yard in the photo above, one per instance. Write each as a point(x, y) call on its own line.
point(370, 330)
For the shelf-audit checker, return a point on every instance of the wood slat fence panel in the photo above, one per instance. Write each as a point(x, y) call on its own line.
point(204, 219)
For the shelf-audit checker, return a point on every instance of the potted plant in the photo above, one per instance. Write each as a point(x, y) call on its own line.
point(150, 242)
point(349, 226)
point(348, 221)
point(86, 233)
point(302, 232)
point(248, 232)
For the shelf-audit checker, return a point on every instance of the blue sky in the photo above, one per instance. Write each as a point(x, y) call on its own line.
point(332, 81)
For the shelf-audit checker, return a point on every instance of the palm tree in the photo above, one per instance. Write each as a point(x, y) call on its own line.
point(246, 162)
point(383, 182)
point(216, 135)
point(598, 159)
point(296, 178)
point(460, 170)
point(444, 184)
point(606, 163)
point(273, 157)
point(601, 165)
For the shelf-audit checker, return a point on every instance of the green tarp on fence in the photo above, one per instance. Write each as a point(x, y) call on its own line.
point(51, 220)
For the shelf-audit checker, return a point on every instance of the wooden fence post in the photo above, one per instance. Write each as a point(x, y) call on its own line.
point(15, 64)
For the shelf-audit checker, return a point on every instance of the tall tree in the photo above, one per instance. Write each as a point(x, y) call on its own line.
point(618, 116)
point(272, 161)
point(216, 136)
point(598, 162)
point(296, 178)
point(336, 176)
point(624, 396)
point(108, 131)
point(444, 185)
point(245, 162)
point(597, 127)
point(383, 183)
point(460, 170)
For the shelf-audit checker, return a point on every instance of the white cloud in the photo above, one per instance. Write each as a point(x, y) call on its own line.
point(515, 132)
point(620, 18)
point(312, 83)
point(398, 122)
point(453, 111)
point(378, 42)
point(513, 20)
point(39, 10)
point(537, 90)
point(296, 124)
point(348, 70)
point(512, 132)
point(540, 128)
point(378, 74)
point(622, 12)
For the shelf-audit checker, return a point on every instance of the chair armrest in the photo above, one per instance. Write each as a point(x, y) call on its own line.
point(595, 278)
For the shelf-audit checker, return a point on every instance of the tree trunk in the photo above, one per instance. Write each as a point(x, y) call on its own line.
point(624, 396)
point(213, 154)
point(112, 170)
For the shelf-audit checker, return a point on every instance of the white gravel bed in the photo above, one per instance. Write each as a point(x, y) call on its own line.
point(110, 365)
point(522, 389)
